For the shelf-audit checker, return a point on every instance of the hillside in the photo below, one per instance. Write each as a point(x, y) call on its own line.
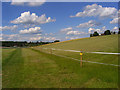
point(37, 67)
point(107, 43)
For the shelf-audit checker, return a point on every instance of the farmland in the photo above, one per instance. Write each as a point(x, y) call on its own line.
point(37, 67)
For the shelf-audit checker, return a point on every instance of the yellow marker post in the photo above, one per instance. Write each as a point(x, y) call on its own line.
point(81, 53)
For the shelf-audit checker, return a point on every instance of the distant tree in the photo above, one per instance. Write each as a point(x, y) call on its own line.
point(102, 34)
point(95, 33)
point(114, 32)
point(119, 31)
point(37, 42)
point(107, 32)
point(57, 41)
point(91, 35)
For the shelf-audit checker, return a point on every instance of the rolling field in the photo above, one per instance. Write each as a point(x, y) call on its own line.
point(37, 67)
point(103, 44)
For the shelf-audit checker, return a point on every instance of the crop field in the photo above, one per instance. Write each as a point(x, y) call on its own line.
point(45, 67)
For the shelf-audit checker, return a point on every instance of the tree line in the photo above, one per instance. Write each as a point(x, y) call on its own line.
point(23, 43)
point(107, 32)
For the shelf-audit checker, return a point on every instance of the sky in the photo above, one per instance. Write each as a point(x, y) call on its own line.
point(49, 21)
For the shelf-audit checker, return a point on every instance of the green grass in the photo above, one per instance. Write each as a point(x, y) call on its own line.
point(6, 52)
point(38, 68)
point(35, 69)
point(13, 70)
point(107, 43)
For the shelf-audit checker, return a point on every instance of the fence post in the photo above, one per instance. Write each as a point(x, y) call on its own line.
point(81, 53)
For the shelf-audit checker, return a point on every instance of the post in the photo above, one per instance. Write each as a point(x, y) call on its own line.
point(81, 57)
point(81, 61)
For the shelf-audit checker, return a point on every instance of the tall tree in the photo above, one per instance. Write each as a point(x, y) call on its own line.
point(95, 33)
point(119, 31)
point(91, 35)
point(107, 32)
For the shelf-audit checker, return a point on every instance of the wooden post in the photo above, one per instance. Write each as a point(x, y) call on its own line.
point(81, 58)
point(81, 61)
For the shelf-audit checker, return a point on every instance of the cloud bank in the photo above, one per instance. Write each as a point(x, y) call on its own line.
point(97, 10)
point(28, 2)
point(27, 18)
point(90, 23)
point(14, 27)
point(35, 30)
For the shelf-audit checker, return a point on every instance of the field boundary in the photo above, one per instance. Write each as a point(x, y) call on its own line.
point(87, 61)
point(85, 52)
point(83, 60)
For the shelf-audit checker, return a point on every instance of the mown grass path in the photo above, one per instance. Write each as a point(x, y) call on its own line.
point(31, 68)
point(44, 72)
point(12, 74)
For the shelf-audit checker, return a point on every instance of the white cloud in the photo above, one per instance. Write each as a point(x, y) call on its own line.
point(31, 3)
point(49, 38)
point(0, 38)
point(115, 29)
point(27, 18)
point(90, 23)
point(6, 37)
point(12, 36)
point(31, 31)
point(17, 3)
point(36, 3)
point(26, 37)
point(115, 20)
point(97, 10)
point(39, 34)
point(74, 33)
point(71, 38)
point(92, 30)
point(42, 38)
point(9, 27)
point(35, 38)
point(66, 29)
point(50, 34)
point(104, 28)
point(19, 37)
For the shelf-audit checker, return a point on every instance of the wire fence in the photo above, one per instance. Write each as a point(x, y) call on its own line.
point(51, 51)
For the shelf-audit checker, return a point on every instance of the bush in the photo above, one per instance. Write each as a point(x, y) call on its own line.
point(57, 41)
point(95, 33)
point(114, 32)
point(91, 35)
point(119, 31)
point(107, 32)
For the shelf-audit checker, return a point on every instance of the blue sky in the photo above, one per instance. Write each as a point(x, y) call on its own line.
point(63, 20)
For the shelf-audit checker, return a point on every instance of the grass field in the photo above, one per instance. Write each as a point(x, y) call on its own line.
point(37, 68)
point(102, 43)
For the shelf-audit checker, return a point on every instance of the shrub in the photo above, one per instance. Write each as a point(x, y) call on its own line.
point(91, 35)
point(107, 32)
point(95, 33)
point(57, 41)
